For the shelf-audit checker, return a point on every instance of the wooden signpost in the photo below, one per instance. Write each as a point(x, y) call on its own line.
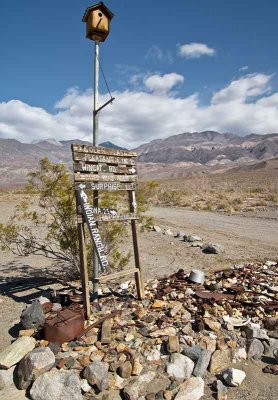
point(102, 169)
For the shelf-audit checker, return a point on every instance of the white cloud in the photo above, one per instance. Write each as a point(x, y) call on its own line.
point(196, 50)
point(243, 88)
point(163, 83)
point(140, 116)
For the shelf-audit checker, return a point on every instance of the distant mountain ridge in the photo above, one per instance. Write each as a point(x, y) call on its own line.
point(209, 148)
point(171, 157)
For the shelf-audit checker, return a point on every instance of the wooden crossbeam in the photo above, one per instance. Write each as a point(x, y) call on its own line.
point(117, 275)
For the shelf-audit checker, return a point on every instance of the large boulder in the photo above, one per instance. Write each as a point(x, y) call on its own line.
point(33, 365)
point(57, 385)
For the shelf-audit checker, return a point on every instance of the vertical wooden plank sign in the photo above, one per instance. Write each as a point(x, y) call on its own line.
point(88, 212)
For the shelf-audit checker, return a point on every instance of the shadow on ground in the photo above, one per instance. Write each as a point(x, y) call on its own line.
point(23, 283)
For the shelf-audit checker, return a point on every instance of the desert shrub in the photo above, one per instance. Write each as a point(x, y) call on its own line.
point(45, 225)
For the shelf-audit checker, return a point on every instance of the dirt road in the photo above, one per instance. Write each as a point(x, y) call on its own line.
point(244, 239)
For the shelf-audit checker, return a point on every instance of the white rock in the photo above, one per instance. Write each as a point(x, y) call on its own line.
point(124, 285)
point(192, 389)
point(180, 366)
point(16, 351)
point(43, 300)
point(234, 377)
point(153, 354)
point(240, 354)
point(270, 263)
point(85, 387)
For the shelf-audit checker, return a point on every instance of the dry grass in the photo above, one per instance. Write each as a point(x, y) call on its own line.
point(232, 191)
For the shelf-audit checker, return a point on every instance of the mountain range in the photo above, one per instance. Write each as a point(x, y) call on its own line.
point(174, 156)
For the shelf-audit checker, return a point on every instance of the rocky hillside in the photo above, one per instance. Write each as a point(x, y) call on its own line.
point(209, 148)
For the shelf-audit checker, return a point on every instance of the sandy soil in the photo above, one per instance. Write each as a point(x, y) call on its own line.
point(244, 238)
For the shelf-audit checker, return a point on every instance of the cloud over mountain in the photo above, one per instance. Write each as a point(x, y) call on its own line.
point(245, 105)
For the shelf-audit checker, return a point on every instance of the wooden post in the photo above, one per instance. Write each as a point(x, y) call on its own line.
point(138, 275)
point(83, 261)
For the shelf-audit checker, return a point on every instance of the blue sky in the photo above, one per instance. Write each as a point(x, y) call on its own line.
point(185, 58)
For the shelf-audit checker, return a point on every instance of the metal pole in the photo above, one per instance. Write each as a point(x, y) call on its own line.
point(96, 81)
point(95, 143)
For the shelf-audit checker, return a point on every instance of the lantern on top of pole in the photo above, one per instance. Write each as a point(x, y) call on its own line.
point(97, 18)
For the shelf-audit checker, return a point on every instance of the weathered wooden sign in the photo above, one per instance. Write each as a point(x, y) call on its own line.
point(110, 186)
point(88, 212)
point(101, 169)
point(117, 169)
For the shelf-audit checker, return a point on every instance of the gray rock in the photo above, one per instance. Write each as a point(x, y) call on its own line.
point(96, 374)
point(192, 389)
point(270, 346)
point(193, 352)
point(138, 386)
point(6, 377)
point(34, 364)
point(192, 238)
point(222, 391)
point(256, 333)
point(180, 366)
point(255, 349)
point(157, 384)
point(168, 232)
point(271, 324)
point(202, 363)
point(213, 248)
point(57, 385)
point(157, 229)
point(33, 316)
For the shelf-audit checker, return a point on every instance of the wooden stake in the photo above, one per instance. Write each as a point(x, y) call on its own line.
point(138, 275)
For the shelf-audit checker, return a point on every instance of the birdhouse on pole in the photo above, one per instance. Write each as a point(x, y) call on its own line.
point(97, 20)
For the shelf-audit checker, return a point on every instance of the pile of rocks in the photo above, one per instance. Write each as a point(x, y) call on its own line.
point(167, 346)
